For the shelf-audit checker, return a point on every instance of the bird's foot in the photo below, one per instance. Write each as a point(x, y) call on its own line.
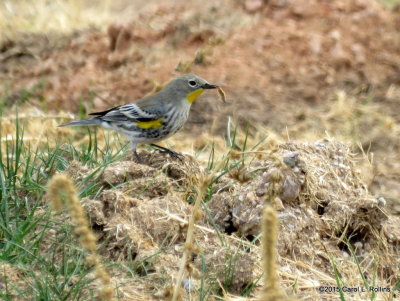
point(173, 154)
point(165, 150)
point(135, 157)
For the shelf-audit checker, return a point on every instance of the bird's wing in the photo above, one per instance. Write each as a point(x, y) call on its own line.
point(128, 112)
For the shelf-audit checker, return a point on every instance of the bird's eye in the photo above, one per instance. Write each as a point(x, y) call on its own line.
point(192, 83)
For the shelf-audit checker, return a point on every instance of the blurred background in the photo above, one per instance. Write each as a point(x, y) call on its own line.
point(299, 70)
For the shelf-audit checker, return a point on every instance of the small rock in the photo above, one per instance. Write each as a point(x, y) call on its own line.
point(381, 201)
point(279, 205)
point(358, 245)
point(290, 190)
point(260, 192)
point(291, 159)
point(188, 285)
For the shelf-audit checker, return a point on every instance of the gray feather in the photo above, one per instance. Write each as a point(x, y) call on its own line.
point(93, 121)
point(130, 112)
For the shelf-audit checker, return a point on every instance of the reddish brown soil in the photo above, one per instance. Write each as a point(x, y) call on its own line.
point(287, 53)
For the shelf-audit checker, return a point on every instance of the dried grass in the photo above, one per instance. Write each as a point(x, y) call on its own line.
point(325, 171)
point(305, 237)
point(24, 16)
point(61, 189)
point(189, 248)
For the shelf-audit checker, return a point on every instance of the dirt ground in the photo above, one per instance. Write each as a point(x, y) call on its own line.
point(299, 71)
point(298, 54)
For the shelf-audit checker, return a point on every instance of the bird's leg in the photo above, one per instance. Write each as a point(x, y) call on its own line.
point(135, 154)
point(168, 151)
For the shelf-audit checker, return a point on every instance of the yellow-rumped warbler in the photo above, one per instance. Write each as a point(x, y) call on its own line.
point(154, 117)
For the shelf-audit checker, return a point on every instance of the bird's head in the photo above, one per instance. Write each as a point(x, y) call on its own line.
point(189, 87)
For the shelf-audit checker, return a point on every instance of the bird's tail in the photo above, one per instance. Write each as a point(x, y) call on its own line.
point(93, 121)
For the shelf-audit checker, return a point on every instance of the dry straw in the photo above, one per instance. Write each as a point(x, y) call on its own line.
point(61, 189)
point(189, 246)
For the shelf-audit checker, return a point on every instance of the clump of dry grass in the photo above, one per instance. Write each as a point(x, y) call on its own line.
point(60, 189)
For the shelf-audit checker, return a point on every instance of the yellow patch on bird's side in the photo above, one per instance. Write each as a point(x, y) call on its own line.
point(193, 95)
point(157, 123)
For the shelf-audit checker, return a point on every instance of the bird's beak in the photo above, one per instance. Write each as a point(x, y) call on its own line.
point(209, 86)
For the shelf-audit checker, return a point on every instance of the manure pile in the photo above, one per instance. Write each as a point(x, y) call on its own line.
point(324, 209)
